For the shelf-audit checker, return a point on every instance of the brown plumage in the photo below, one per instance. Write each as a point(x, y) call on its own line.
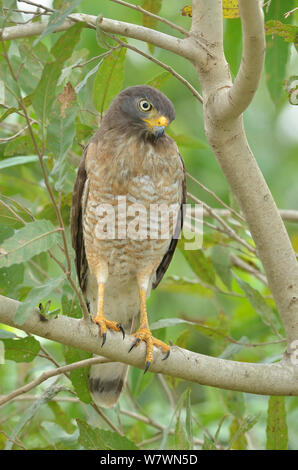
point(129, 159)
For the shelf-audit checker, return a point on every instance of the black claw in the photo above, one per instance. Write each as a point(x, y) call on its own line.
point(134, 344)
point(167, 355)
point(104, 337)
point(121, 329)
point(147, 366)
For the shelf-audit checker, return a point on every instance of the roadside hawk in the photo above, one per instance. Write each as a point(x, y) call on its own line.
point(130, 175)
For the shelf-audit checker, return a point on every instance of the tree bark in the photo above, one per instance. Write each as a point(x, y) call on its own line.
point(265, 379)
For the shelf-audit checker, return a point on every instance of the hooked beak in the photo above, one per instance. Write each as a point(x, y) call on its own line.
point(158, 131)
point(157, 125)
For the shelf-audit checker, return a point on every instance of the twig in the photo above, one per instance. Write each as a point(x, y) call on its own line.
point(7, 206)
point(209, 191)
point(51, 373)
point(100, 56)
point(106, 419)
point(167, 390)
point(152, 15)
point(28, 212)
point(201, 323)
point(228, 229)
point(38, 5)
point(195, 93)
point(16, 441)
point(246, 267)
point(152, 423)
point(290, 12)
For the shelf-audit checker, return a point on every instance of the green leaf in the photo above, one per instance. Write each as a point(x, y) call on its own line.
point(5, 232)
point(83, 82)
point(222, 264)
point(277, 50)
point(232, 349)
point(233, 44)
point(21, 160)
point(21, 350)
point(238, 438)
point(30, 412)
point(11, 278)
point(140, 381)
point(259, 304)
point(27, 242)
point(238, 435)
point(104, 41)
point(159, 80)
point(63, 48)
point(201, 265)
point(109, 79)
point(188, 419)
point(31, 65)
point(61, 417)
point(180, 437)
point(57, 18)
point(288, 32)
point(70, 304)
point(185, 286)
point(45, 93)
point(79, 377)
point(277, 428)
point(92, 438)
point(208, 443)
point(235, 402)
point(2, 353)
point(27, 101)
point(60, 133)
point(36, 296)
point(22, 145)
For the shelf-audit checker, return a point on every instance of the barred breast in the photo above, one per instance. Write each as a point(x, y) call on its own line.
point(134, 197)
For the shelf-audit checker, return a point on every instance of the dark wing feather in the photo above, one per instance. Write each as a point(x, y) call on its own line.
point(169, 254)
point(76, 223)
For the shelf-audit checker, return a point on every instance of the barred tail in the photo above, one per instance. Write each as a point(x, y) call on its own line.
point(106, 382)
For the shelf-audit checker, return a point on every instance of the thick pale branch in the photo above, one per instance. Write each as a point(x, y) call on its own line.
point(229, 143)
point(247, 80)
point(266, 379)
point(130, 30)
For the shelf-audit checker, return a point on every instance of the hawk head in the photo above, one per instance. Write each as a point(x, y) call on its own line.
point(140, 108)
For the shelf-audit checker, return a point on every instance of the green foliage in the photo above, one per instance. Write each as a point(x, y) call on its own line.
point(109, 79)
point(78, 377)
point(97, 439)
point(277, 52)
point(206, 303)
point(21, 350)
point(27, 242)
point(153, 6)
point(33, 298)
point(277, 428)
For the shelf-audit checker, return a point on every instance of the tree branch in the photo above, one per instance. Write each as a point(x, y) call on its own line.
point(265, 379)
point(165, 41)
point(228, 140)
point(152, 15)
point(247, 80)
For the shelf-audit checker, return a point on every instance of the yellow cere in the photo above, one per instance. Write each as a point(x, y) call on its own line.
point(157, 121)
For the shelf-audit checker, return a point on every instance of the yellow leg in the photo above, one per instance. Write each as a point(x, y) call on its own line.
point(144, 334)
point(100, 319)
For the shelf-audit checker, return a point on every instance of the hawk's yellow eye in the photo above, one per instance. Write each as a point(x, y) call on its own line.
point(145, 105)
